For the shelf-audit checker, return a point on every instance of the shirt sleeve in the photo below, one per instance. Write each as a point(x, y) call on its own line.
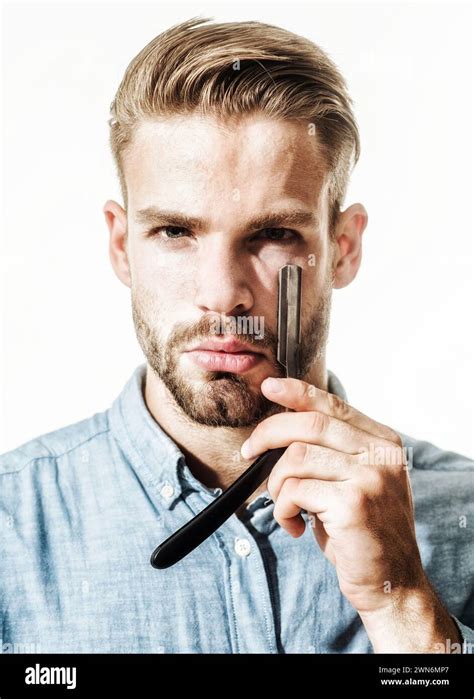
point(467, 635)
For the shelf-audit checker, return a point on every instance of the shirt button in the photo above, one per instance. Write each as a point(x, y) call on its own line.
point(242, 547)
point(167, 491)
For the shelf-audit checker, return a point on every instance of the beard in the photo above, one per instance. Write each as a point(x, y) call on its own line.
point(221, 399)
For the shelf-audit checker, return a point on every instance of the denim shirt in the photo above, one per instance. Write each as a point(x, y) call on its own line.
point(83, 507)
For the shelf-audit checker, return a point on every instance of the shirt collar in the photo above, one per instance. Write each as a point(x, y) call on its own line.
point(152, 453)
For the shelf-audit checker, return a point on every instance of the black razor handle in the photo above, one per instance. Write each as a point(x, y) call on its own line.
point(200, 527)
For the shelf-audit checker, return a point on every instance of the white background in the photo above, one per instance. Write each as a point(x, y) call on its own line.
point(402, 335)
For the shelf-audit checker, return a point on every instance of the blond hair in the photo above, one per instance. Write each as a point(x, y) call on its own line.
point(239, 68)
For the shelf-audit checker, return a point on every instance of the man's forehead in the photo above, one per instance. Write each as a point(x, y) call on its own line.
point(193, 138)
point(195, 156)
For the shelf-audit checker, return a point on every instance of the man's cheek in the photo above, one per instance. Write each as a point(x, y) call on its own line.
point(148, 259)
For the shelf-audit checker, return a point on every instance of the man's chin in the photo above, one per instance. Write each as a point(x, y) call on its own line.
point(221, 399)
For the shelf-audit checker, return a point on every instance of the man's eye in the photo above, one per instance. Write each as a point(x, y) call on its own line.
point(167, 232)
point(277, 235)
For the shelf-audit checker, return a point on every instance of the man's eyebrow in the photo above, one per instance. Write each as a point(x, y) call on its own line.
point(159, 217)
point(290, 217)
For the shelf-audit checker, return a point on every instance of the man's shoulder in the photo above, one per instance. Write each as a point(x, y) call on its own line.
point(55, 444)
point(442, 480)
point(426, 456)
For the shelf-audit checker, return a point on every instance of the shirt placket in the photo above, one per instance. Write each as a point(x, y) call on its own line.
point(250, 608)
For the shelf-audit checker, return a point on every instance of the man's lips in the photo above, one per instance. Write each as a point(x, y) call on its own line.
point(228, 345)
point(225, 355)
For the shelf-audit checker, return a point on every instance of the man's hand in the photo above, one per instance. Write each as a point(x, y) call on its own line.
point(350, 474)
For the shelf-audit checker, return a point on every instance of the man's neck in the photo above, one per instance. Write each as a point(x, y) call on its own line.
point(212, 453)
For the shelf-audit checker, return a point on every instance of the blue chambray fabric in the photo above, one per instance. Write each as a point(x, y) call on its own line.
point(83, 507)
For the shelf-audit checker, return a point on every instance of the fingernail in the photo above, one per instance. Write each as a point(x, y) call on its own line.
point(245, 449)
point(274, 385)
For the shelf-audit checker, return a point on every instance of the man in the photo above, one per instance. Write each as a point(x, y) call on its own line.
point(234, 144)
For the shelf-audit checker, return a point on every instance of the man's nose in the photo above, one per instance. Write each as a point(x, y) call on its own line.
point(222, 280)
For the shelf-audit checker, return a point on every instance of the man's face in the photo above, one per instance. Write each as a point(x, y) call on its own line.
point(216, 277)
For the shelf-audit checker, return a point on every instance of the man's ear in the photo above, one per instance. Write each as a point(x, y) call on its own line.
point(350, 225)
point(116, 218)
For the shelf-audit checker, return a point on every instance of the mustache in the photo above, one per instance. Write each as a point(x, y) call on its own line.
point(214, 326)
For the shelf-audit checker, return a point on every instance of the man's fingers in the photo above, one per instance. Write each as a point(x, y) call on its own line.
point(313, 427)
point(302, 494)
point(301, 396)
point(303, 460)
